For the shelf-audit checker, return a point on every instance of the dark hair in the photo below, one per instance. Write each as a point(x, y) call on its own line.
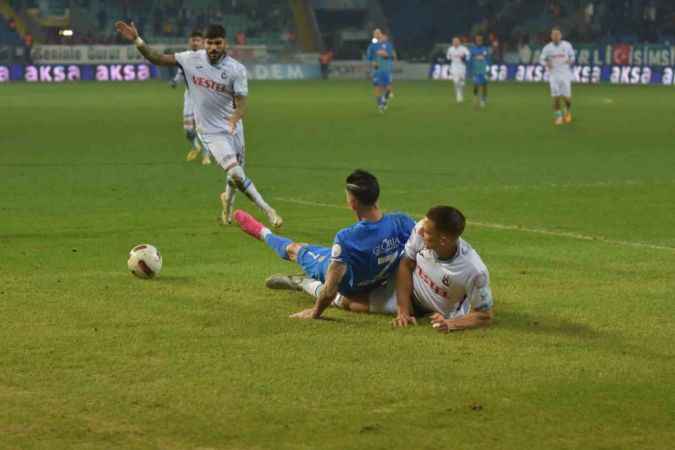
point(447, 220)
point(364, 186)
point(215, 32)
point(197, 33)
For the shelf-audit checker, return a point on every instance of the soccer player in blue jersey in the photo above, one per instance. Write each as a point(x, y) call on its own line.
point(381, 56)
point(363, 257)
point(479, 60)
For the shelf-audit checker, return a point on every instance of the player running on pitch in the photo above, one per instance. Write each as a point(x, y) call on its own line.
point(439, 274)
point(458, 55)
point(380, 53)
point(363, 257)
point(218, 88)
point(195, 43)
point(558, 57)
point(478, 63)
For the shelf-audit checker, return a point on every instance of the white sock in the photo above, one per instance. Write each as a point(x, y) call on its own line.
point(253, 194)
point(311, 286)
point(230, 194)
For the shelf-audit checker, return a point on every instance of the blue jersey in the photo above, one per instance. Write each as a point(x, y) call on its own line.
point(383, 63)
point(479, 58)
point(371, 251)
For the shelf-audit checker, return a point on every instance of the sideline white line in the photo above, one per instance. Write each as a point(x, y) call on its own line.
point(498, 226)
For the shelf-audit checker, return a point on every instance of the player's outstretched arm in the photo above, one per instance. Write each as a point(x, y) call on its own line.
point(130, 33)
point(475, 319)
point(404, 288)
point(336, 270)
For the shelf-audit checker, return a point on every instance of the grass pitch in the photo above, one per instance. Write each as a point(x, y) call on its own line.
point(575, 223)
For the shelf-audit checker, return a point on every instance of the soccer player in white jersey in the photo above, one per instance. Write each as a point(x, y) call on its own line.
point(439, 274)
point(458, 55)
point(195, 43)
point(218, 88)
point(558, 57)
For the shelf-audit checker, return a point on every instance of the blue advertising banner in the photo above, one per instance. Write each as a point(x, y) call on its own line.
point(47, 73)
point(585, 74)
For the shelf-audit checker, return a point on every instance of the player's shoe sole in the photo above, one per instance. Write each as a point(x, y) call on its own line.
point(558, 121)
point(568, 118)
point(285, 282)
point(275, 219)
point(192, 154)
point(248, 224)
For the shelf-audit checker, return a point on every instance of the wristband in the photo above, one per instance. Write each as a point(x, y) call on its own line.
point(138, 41)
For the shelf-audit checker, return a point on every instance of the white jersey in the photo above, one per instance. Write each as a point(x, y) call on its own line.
point(458, 57)
point(212, 89)
point(560, 57)
point(450, 287)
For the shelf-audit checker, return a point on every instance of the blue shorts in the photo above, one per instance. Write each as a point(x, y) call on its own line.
point(480, 79)
point(314, 261)
point(381, 78)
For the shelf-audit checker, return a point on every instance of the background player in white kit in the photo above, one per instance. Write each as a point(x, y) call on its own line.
point(458, 55)
point(218, 88)
point(195, 43)
point(558, 57)
point(439, 274)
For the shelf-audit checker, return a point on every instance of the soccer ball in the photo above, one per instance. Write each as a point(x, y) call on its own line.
point(145, 261)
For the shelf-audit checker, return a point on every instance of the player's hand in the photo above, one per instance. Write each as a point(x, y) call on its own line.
point(306, 314)
point(232, 125)
point(128, 31)
point(443, 325)
point(403, 320)
point(172, 84)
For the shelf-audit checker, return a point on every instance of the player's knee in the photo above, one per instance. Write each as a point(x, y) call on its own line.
point(237, 176)
point(293, 249)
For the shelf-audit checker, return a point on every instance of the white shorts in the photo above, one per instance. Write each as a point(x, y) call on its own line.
point(560, 87)
point(188, 113)
point(227, 150)
point(382, 300)
point(458, 74)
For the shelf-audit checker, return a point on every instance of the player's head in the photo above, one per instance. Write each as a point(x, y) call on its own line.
point(455, 41)
point(196, 40)
point(442, 227)
point(478, 39)
point(215, 42)
point(377, 35)
point(385, 37)
point(556, 35)
point(363, 190)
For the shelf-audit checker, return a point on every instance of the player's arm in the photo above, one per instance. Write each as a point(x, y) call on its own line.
point(334, 274)
point(475, 319)
point(130, 33)
point(240, 87)
point(571, 58)
point(480, 299)
point(177, 78)
point(543, 59)
point(404, 290)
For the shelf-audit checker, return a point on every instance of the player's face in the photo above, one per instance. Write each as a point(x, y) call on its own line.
point(377, 35)
point(434, 239)
point(196, 43)
point(556, 36)
point(455, 42)
point(216, 48)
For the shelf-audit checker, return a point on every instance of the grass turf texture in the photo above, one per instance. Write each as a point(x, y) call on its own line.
point(580, 355)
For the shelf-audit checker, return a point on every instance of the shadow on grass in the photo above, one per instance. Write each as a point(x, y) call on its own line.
point(542, 324)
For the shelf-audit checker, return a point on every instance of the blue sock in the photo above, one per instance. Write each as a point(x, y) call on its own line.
point(278, 244)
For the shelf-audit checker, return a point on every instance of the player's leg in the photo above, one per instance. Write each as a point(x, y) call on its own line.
point(555, 95)
point(484, 90)
point(223, 148)
point(567, 98)
point(458, 80)
point(476, 87)
point(189, 128)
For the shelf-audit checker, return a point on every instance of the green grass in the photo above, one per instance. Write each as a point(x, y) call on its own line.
point(575, 223)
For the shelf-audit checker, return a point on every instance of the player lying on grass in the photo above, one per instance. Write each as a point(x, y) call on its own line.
point(363, 257)
point(440, 274)
point(218, 88)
